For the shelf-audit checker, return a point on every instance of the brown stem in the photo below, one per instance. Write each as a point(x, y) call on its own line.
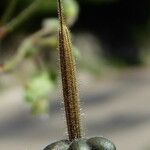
point(70, 92)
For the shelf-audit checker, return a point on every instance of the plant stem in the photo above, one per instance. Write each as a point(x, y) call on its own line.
point(23, 16)
point(9, 11)
point(70, 92)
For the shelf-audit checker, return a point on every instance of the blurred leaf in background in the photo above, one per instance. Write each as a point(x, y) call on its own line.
point(38, 90)
point(38, 45)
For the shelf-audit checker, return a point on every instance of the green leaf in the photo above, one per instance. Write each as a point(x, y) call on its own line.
point(39, 87)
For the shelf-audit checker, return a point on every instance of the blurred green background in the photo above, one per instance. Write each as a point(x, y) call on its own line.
point(112, 52)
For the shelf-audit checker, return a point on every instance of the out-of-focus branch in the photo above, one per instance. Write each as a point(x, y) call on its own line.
point(23, 16)
point(9, 11)
point(31, 43)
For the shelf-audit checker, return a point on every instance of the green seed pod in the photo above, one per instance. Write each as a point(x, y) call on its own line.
point(79, 144)
point(100, 143)
point(60, 145)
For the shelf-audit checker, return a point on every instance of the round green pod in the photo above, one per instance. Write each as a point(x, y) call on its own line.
point(79, 144)
point(100, 143)
point(59, 145)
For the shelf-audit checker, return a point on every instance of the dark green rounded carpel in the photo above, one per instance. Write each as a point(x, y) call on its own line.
point(100, 143)
point(60, 145)
point(79, 144)
point(95, 143)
